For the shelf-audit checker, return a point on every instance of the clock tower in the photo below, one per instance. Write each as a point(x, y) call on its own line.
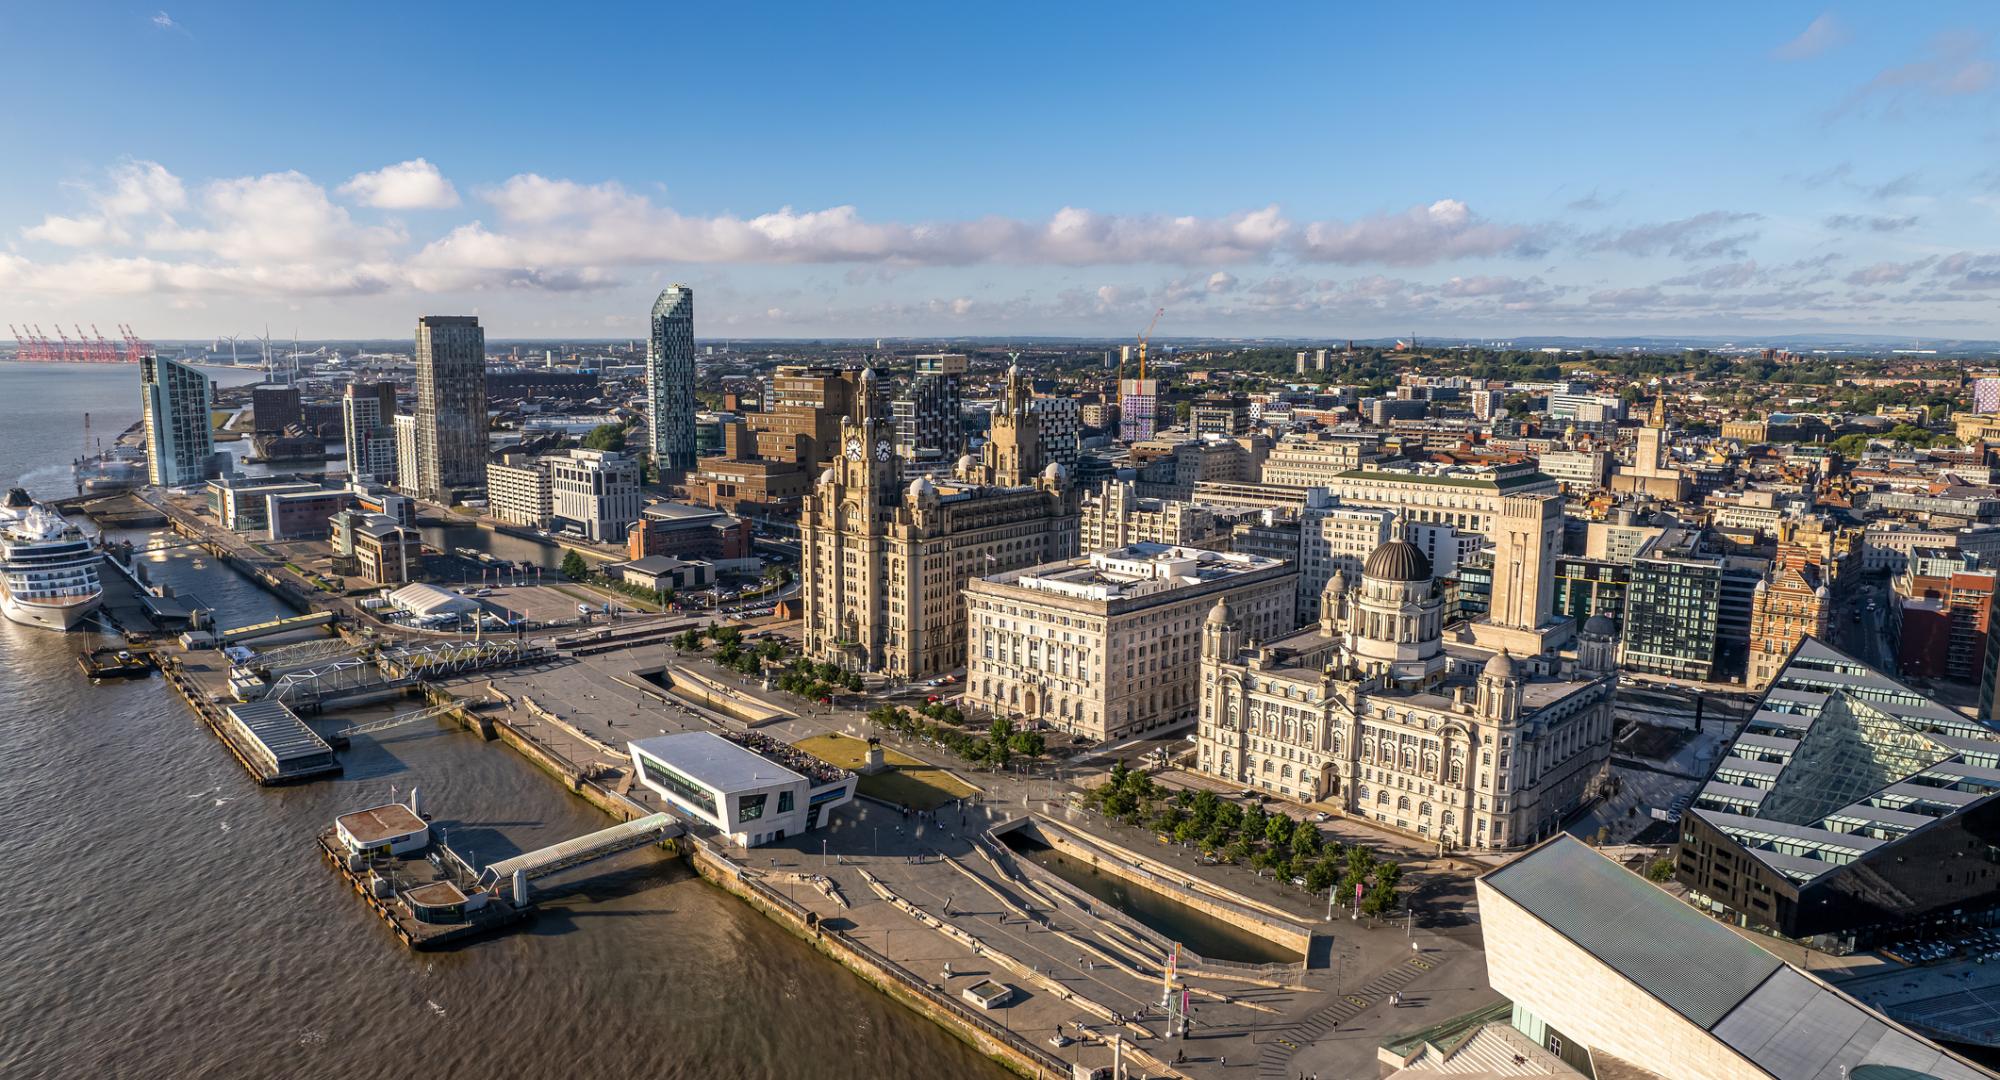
point(1012, 456)
point(868, 467)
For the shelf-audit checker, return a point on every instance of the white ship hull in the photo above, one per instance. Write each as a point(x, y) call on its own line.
point(48, 616)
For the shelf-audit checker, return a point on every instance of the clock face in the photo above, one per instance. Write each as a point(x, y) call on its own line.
point(882, 450)
point(854, 451)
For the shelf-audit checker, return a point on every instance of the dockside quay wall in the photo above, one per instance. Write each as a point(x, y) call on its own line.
point(1125, 864)
point(995, 1041)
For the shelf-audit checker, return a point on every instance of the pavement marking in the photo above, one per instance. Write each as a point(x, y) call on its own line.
point(1420, 964)
point(1359, 1001)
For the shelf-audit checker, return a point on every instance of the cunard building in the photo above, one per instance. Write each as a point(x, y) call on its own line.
point(1374, 713)
point(884, 562)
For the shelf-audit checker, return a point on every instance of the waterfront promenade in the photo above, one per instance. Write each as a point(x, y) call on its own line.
point(921, 893)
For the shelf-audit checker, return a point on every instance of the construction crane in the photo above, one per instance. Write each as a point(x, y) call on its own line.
point(1143, 337)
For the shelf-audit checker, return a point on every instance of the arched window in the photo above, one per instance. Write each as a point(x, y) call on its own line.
point(1447, 820)
point(1430, 763)
point(1267, 765)
point(1424, 810)
point(1336, 741)
point(1381, 798)
point(1409, 759)
point(1403, 802)
point(1286, 772)
point(1457, 771)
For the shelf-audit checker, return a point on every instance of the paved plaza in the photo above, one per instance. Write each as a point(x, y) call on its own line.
point(920, 891)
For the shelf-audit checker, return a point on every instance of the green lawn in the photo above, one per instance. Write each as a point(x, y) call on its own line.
point(907, 781)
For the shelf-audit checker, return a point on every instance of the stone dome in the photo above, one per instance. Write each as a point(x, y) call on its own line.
point(1502, 666)
point(868, 374)
point(921, 488)
point(1600, 625)
point(1398, 560)
point(1221, 614)
point(1056, 474)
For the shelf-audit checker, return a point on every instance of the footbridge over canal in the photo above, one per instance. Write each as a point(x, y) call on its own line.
point(639, 832)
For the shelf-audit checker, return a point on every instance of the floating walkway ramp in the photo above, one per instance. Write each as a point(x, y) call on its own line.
point(638, 832)
point(275, 626)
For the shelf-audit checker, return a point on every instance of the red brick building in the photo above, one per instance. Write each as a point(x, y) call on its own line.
point(1945, 624)
point(681, 531)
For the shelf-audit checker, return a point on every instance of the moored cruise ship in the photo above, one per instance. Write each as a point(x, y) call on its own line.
point(48, 568)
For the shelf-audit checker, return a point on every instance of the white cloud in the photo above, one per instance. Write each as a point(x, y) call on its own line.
point(77, 231)
point(1701, 236)
point(278, 217)
point(1823, 34)
point(409, 185)
point(1446, 229)
point(139, 190)
point(1953, 64)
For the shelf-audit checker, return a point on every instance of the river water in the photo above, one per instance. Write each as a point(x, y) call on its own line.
point(169, 918)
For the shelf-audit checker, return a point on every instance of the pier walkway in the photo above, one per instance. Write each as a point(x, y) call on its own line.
point(275, 626)
point(639, 832)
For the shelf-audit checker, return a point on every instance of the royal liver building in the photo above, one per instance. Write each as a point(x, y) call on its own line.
point(884, 563)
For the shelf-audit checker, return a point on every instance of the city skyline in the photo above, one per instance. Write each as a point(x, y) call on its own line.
point(1367, 174)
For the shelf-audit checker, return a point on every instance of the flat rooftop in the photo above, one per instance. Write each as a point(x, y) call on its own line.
point(379, 823)
point(1138, 570)
point(435, 894)
point(728, 766)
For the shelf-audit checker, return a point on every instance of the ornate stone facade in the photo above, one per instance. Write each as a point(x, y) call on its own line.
point(1372, 713)
point(883, 564)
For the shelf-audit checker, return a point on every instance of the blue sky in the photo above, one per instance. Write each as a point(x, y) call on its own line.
point(1320, 170)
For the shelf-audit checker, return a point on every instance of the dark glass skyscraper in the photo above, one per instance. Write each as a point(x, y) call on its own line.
point(670, 380)
point(451, 407)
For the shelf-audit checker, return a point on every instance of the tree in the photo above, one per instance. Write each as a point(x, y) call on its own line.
point(573, 566)
point(1255, 821)
point(606, 437)
point(1660, 870)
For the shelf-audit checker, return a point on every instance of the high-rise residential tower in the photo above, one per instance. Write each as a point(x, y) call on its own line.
point(670, 381)
point(927, 412)
point(451, 407)
point(368, 424)
point(180, 445)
